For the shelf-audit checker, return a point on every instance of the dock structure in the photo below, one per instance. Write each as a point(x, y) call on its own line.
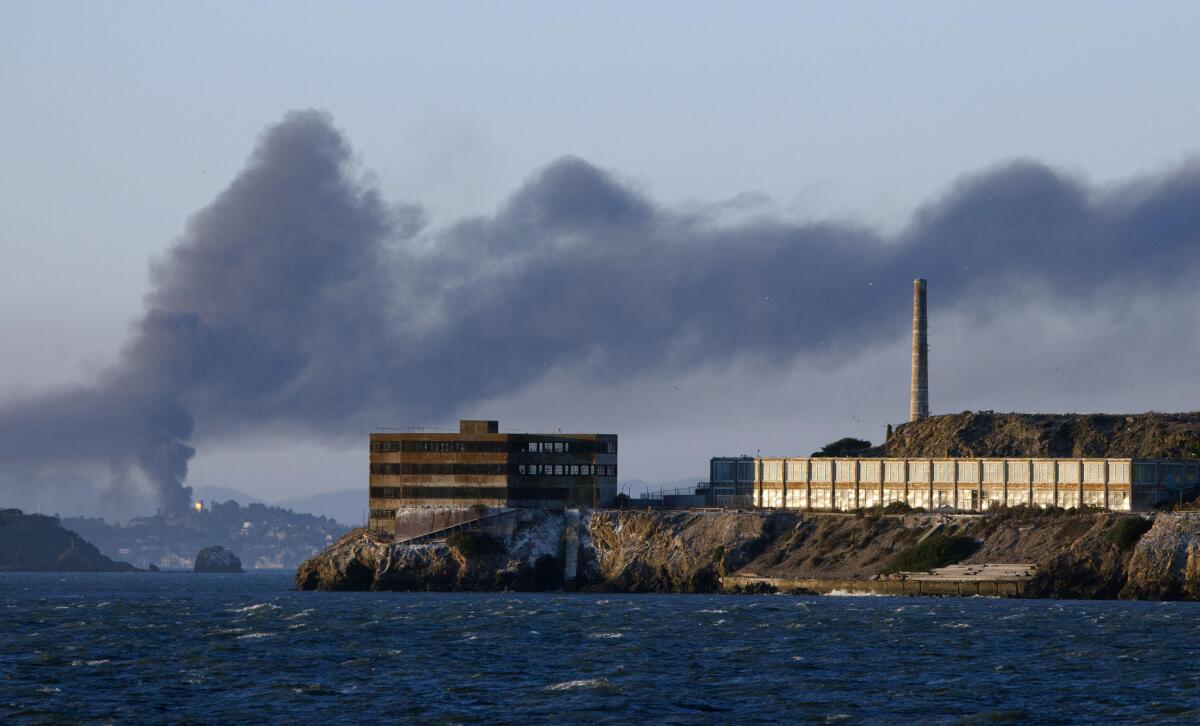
point(967, 484)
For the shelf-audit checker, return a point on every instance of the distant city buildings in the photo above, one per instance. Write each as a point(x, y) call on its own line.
point(481, 467)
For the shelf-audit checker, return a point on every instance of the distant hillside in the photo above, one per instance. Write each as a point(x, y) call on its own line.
point(37, 543)
point(261, 536)
point(346, 506)
point(1143, 435)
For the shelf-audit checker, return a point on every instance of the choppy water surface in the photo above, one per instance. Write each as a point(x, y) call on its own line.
point(246, 648)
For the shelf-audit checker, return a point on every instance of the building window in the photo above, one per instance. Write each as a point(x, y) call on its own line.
point(773, 471)
point(745, 471)
point(721, 470)
point(520, 468)
point(574, 470)
point(558, 470)
point(822, 470)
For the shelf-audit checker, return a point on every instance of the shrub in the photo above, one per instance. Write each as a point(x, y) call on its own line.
point(621, 501)
point(897, 508)
point(936, 551)
point(1128, 531)
point(845, 446)
point(474, 543)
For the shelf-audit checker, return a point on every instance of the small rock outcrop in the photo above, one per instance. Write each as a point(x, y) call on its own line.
point(37, 543)
point(216, 559)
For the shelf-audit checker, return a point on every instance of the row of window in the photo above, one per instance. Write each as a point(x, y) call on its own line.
point(468, 492)
point(423, 469)
point(965, 472)
point(796, 499)
point(567, 469)
point(430, 447)
point(433, 469)
point(447, 492)
point(547, 447)
point(493, 447)
point(562, 447)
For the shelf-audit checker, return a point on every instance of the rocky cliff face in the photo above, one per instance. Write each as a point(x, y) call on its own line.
point(1078, 555)
point(1166, 563)
point(672, 551)
point(1146, 435)
point(528, 559)
point(37, 543)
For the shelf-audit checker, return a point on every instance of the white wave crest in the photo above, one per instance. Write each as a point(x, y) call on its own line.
point(582, 684)
point(256, 606)
point(847, 593)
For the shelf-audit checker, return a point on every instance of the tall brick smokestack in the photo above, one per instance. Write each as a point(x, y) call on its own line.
point(918, 405)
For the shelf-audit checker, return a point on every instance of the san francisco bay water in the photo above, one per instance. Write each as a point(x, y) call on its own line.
point(247, 648)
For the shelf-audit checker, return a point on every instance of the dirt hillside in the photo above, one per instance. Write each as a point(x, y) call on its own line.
point(1143, 435)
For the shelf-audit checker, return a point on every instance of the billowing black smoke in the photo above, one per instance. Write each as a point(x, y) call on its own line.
point(299, 300)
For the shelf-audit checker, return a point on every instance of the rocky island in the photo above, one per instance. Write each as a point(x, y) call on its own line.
point(38, 543)
point(1072, 553)
point(216, 559)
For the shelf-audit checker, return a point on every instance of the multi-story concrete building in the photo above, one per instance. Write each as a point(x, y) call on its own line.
point(481, 466)
point(965, 484)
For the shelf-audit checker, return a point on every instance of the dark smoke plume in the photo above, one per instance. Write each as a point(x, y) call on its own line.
point(299, 300)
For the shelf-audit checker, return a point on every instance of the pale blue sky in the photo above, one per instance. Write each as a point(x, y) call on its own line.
point(121, 119)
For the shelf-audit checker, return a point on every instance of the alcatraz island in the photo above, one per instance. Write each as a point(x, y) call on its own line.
point(977, 503)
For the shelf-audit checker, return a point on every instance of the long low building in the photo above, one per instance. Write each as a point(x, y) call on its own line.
point(965, 484)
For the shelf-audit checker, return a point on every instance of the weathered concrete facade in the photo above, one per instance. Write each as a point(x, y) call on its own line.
point(479, 466)
point(969, 484)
